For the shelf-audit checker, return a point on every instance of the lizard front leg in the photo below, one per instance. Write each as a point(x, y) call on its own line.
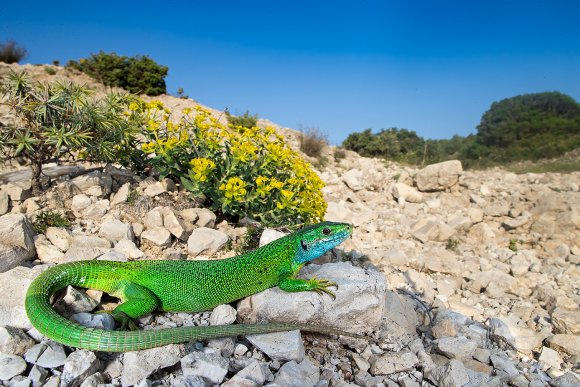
point(290, 283)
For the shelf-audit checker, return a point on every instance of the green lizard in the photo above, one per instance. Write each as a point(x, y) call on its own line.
point(192, 286)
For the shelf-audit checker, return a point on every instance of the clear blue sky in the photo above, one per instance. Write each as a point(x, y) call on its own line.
point(342, 66)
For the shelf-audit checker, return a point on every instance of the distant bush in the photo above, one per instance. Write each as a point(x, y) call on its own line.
point(313, 142)
point(139, 74)
point(246, 120)
point(49, 70)
point(11, 52)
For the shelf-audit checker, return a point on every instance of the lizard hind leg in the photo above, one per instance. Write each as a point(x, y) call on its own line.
point(137, 301)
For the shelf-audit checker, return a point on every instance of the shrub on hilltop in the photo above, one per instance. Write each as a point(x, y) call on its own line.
point(139, 74)
point(11, 52)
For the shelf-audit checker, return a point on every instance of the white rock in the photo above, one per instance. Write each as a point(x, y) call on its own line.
point(97, 321)
point(391, 362)
point(60, 237)
point(222, 315)
point(10, 366)
point(176, 225)
point(159, 236)
point(303, 374)
point(80, 202)
point(155, 189)
point(14, 341)
point(78, 366)
point(437, 177)
point(46, 251)
point(90, 241)
point(74, 301)
point(205, 218)
point(16, 241)
point(569, 344)
point(46, 354)
point(138, 365)
point(512, 329)
point(15, 282)
point(453, 373)
point(154, 218)
point(353, 179)
point(4, 202)
point(359, 304)
point(115, 230)
point(456, 347)
point(211, 367)
point(129, 249)
point(18, 191)
point(551, 358)
point(121, 195)
point(97, 178)
point(566, 320)
point(270, 235)
point(284, 346)
point(409, 194)
point(205, 239)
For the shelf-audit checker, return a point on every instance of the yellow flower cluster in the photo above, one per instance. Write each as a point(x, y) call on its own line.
point(201, 167)
point(242, 171)
point(234, 189)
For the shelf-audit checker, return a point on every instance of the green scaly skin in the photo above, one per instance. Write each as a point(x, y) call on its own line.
point(189, 286)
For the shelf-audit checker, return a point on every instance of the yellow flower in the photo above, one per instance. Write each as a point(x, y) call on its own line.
point(148, 148)
point(152, 125)
point(155, 104)
point(134, 106)
point(186, 111)
point(201, 167)
point(234, 189)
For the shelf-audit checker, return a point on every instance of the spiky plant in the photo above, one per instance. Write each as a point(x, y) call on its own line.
point(61, 121)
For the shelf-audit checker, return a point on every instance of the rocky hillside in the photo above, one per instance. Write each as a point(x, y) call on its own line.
point(460, 278)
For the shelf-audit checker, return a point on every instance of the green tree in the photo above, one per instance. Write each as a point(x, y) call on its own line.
point(139, 74)
point(530, 126)
point(58, 121)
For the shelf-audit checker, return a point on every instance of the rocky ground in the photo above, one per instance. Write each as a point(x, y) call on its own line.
point(460, 278)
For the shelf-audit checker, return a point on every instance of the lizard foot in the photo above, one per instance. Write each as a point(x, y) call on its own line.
point(321, 286)
point(121, 318)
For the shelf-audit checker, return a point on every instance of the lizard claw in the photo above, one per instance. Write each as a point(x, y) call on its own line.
point(321, 286)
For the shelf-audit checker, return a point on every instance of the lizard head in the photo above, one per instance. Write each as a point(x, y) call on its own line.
point(315, 240)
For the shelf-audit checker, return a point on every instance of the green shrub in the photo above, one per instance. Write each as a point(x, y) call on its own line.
point(139, 74)
point(339, 154)
point(11, 52)
point(48, 219)
point(313, 142)
point(245, 120)
point(58, 121)
point(49, 70)
point(240, 171)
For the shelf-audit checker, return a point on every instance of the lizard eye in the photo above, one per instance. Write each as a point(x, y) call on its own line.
point(326, 231)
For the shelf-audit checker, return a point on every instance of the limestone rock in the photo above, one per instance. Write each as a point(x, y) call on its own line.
point(391, 362)
point(78, 366)
point(138, 365)
point(60, 237)
point(205, 239)
point(15, 282)
point(14, 341)
point(359, 304)
point(10, 366)
point(512, 330)
point(283, 346)
point(16, 241)
point(569, 344)
point(409, 194)
point(159, 236)
point(353, 179)
point(437, 177)
point(566, 320)
point(114, 230)
point(210, 367)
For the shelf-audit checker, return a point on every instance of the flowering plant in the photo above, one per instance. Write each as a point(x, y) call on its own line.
point(241, 171)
